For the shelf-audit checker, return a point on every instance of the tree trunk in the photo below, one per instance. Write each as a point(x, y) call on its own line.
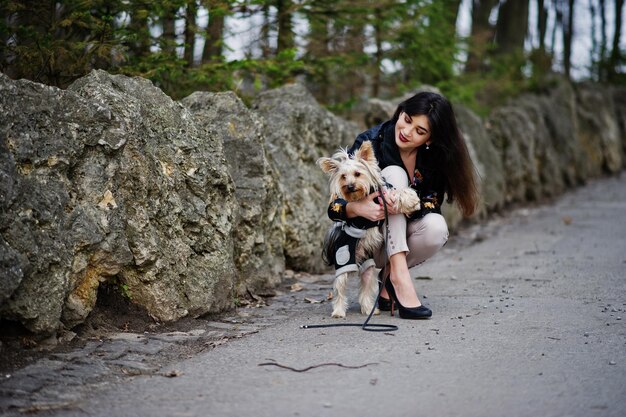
point(266, 49)
point(317, 49)
point(603, 40)
point(542, 24)
point(285, 29)
point(541, 59)
point(568, 29)
point(453, 11)
point(594, 52)
point(378, 56)
point(558, 22)
point(482, 34)
point(615, 58)
point(512, 27)
point(190, 32)
point(213, 50)
point(140, 48)
point(168, 38)
point(354, 46)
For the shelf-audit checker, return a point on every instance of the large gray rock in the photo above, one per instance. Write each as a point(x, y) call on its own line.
point(485, 157)
point(298, 132)
point(258, 230)
point(513, 133)
point(377, 111)
point(619, 99)
point(560, 115)
point(111, 180)
point(42, 230)
point(546, 159)
point(598, 129)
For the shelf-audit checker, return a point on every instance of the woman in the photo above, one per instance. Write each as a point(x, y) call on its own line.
point(420, 147)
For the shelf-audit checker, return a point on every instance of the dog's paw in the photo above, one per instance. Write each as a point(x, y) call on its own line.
point(365, 310)
point(407, 201)
point(338, 314)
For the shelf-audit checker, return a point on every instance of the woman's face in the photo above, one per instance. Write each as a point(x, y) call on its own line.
point(412, 131)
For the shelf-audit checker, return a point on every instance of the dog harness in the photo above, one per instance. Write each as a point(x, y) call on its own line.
point(345, 243)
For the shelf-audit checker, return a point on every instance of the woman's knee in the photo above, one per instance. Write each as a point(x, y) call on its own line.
point(431, 231)
point(437, 228)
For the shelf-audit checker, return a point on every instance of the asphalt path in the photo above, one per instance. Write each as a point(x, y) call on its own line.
point(529, 320)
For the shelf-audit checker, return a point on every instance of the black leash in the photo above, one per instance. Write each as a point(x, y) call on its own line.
point(366, 325)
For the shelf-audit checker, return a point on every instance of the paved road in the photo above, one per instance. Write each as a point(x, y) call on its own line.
point(529, 320)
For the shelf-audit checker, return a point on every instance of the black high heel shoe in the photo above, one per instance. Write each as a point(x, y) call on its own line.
point(412, 313)
point(384, 304)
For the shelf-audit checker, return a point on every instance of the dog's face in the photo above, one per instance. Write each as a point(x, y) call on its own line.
point(352, 178)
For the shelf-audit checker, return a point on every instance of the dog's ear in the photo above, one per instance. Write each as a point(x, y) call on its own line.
point(366, 152)
point(328, 165)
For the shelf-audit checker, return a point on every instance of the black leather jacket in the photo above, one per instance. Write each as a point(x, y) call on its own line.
point(428, 180)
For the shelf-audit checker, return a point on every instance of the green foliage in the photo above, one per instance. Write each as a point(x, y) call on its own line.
point(246, 77)
point(125, 291)
point(424, 42)
point(354, 49)
point(121, 288)
point(55, 45)
point(485, 90)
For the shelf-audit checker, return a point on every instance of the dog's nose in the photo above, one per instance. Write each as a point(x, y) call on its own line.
point(351, 188)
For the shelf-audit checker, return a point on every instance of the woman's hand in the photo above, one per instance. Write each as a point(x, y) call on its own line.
point(390, 199)
point(370, 209)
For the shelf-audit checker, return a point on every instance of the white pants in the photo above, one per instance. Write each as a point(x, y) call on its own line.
point(420, 238)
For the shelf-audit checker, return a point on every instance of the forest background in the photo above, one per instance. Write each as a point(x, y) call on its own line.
point(344, 51)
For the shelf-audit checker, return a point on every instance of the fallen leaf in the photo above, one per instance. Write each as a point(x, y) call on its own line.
point(131, 372)
point(329, 296)
point(312, 300)
point(567, 220)
point(173, 373)
point(296, 287)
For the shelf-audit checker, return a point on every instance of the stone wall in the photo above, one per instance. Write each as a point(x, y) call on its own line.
point(183, 206)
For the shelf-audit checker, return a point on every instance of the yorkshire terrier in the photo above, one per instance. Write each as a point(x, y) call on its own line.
point(350, 245)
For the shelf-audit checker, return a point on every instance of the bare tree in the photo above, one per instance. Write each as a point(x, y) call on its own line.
point(603, 39)
point(482, 34)
point(285, 27)
point(378, 55)
point(540, 57)
point(568, 31)
point(139, 14)
point(512, 26)
point(542, 24)
point(190, 31)
point(213, 44)
point(318, 47)
point(168, 38)
point(615, 58)
point(266, 27)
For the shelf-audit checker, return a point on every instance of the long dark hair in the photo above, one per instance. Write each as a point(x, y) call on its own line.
point(446, 137)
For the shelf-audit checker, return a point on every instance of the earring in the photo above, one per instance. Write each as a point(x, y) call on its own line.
point(427, 146)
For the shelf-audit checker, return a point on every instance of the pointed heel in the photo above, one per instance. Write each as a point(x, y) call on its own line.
point(411, 313)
